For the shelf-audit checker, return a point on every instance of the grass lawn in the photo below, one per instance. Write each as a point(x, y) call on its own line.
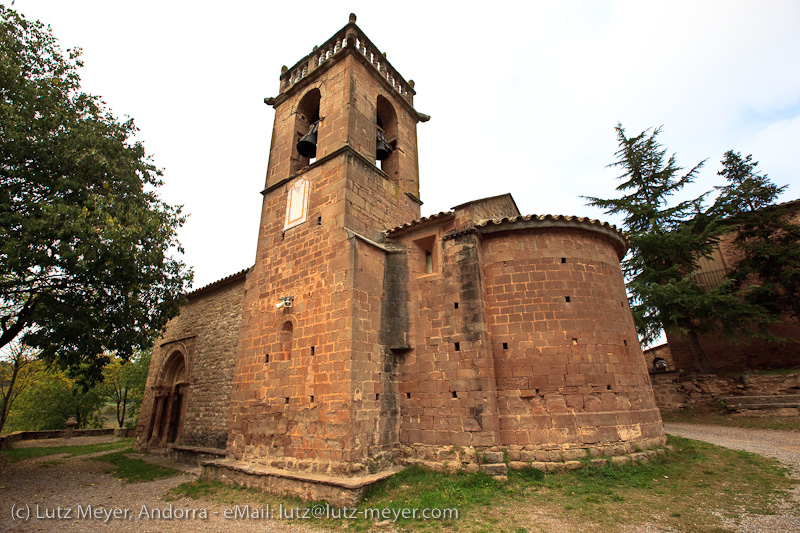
point(689, 489)
point(125, 468)
point(134, 470)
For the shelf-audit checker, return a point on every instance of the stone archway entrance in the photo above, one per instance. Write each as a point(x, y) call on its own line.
point(170, 399)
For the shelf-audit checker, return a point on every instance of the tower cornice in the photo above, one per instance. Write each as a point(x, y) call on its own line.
point(348, 41)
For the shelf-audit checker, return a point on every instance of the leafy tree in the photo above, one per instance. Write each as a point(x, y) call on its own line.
point(85, 241)
point(768, 236)
point(17, 372)
point(667, 239)
point(124, 384)
point(51, 399)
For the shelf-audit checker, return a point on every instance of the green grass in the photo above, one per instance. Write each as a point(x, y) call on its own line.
point(134, 470)
point(19, 454)
point(688, 489)
point(130, 470)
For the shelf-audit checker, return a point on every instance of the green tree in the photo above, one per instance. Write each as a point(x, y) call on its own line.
point(124, 384)
point(51, 399)
point(667, 239)
point(767, 235)
point(18, 368)
point(86, 245)
point(747, 190)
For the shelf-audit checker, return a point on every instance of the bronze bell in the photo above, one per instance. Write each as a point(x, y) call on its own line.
point(383, 150)
point(307, 146)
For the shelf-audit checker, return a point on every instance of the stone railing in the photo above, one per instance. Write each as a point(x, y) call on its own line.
point(349, 36)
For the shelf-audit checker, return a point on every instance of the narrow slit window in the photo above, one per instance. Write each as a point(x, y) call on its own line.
point(505, 346)
point(377, 396)
point(455, 305)
point(312, 399)
point(266, 358)
point(428, 261)
point(566, 298)
point(312, 351)
point(287, 400)
point(458, 346)
point(408, 395)
point(455, 394)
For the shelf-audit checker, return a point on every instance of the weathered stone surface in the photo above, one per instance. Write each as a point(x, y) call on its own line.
point(500, 469)
point(459, 339)
point(492, 457)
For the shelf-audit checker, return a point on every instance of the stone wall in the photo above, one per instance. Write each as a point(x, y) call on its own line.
point(677, 391)
point(567, 359)
point(724, 355)
point(205, 335)
point(311, 387)
point(522, 342)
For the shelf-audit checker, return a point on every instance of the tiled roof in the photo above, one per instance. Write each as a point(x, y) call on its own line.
point(419, 222)
point(539, 221)
point(219, 282)
point(567, 218)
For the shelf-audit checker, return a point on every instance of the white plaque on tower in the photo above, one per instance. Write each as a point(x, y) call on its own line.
point(297, 204)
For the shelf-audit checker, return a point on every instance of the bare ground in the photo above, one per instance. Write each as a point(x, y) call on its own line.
point(42, 486)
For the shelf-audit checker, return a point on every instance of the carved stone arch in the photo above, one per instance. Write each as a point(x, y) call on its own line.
point(175, 368)
point(306, 114)
point(386, 120)
point(170, 390)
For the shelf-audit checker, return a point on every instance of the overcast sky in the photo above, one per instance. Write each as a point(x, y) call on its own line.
point(524, 96)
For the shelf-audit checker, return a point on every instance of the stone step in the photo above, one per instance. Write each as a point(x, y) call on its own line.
point(778, 401)
point(495, 469)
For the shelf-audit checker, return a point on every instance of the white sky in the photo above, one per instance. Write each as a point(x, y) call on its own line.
point(524, 95)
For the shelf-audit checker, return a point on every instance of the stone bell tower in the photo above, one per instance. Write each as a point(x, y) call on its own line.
point(313, 380)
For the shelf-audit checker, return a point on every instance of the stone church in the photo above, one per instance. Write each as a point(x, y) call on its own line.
point(366, 337)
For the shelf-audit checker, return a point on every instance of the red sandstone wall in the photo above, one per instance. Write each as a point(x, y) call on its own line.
point(206, 332)
point(502, 359)
point(447, 382)
point(567, 371)
point(326, 411)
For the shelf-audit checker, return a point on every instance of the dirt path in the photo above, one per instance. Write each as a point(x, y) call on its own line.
point(781, 445)
point(77, 485)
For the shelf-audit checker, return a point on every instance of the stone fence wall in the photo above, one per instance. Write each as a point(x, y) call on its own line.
point(675, 390)
point(8, 440)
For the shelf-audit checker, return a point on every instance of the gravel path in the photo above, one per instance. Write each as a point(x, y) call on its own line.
point(781, 445)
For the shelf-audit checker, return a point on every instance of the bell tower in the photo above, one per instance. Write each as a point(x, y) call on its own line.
point(312, 387)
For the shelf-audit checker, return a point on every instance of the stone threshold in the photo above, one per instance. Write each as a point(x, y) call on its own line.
point(199, 449)
point(356, 482)
point(335, 490)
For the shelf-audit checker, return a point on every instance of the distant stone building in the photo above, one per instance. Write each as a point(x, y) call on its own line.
point(366, 337)
point(737, 355)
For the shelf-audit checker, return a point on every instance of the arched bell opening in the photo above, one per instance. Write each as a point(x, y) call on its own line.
point(386, 152)
point(306, 128)
point(170, 400)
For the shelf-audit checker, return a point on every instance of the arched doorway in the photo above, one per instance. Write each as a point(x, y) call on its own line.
point(170, 398)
